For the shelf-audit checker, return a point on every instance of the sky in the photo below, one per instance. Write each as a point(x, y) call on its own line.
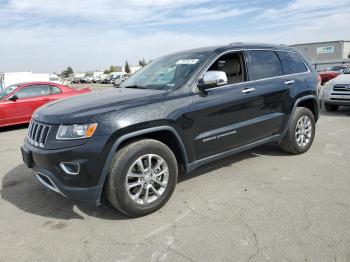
point(49, 35)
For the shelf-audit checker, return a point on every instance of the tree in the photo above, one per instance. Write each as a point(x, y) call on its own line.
point(142, 62)
point(67, 72)
point(127, 67)
point(113, 68)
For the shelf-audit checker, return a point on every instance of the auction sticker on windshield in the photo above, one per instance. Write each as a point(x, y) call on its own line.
point(187, 62)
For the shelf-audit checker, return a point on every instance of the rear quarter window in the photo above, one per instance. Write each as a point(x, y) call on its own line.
point(264, 64)
point(54, 90)
point(291, 63)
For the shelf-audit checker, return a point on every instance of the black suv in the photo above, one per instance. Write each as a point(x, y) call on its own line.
point(176, 114)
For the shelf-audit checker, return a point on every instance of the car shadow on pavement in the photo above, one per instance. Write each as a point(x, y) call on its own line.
point(13, 128)
point(21, 188)
point(271, 149)
point(342, 111)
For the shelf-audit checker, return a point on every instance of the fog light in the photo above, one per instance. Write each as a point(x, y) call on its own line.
point(71, 168)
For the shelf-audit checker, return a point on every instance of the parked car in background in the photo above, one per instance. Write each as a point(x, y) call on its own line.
point(104, 80)
point(84, 80)
point(336, 92)
point(176, 114)
point(120, 79)
point(19, 101)
point(332, 72)
point(7, 79)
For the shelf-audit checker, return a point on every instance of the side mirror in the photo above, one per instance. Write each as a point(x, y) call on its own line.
point(13, 98)
point(212, 79)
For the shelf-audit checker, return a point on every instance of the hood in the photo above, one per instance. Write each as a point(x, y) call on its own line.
point(343, 79)
point(80, 108)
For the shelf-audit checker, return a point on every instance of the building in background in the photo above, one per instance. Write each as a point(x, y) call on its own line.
point(322, 55)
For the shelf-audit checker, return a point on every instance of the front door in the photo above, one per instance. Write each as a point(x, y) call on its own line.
point(29, 98)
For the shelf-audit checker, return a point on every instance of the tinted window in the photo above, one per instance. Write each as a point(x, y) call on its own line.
point(232, 65)
point(291, 63)
point(55, 90)
point(264, 64)
point(35, 90)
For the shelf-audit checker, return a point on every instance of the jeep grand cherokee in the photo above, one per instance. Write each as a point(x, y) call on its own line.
point(179, 112)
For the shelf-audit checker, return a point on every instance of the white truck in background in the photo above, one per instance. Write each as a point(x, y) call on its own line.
point(7, 79)
point(119, 78)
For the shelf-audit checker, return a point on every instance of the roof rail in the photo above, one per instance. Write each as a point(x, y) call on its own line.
point(236, 43)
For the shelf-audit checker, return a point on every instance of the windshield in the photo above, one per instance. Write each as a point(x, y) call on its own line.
point(7, 90)
point(347, 71)
point(169, 72)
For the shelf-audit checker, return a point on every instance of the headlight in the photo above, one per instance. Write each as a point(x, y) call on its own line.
point(66, 132)
point(328, 85)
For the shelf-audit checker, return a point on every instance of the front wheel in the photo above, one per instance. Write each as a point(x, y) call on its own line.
point(142, 178)
point(300, 133)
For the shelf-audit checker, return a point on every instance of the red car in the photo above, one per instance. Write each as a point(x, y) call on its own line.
point(332, 72)
point(19, 101)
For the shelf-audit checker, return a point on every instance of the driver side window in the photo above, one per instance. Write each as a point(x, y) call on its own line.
point(32, 91)
point(233, 66)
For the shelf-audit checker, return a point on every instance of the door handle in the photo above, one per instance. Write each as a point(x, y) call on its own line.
point(248, 90)
point(289, 82)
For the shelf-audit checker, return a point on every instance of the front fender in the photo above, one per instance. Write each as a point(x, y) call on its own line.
point(115, 146)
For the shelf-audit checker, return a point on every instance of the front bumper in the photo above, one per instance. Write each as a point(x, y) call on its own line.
point(85, 185)
point(329, 96)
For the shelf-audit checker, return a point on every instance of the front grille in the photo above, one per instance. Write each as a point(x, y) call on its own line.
point(342, 88)
point(37, 133)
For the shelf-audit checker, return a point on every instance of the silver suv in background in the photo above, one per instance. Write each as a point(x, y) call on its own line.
point(336, 92)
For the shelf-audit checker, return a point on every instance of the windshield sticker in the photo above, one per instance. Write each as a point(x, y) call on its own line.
point(187, 62)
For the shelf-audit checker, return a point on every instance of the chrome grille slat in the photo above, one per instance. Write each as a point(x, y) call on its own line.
point(32, 131)
point(30, 128)
point(342, 88)
point(37, 133)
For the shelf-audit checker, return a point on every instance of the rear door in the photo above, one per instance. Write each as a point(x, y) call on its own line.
point(266, 72)
point(29, 99)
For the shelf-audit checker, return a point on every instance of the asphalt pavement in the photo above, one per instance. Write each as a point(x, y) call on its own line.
point(260, 205)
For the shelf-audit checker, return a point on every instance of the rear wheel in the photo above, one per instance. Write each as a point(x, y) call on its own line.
point(330, 107)
point(301, 132)
point(143, 176)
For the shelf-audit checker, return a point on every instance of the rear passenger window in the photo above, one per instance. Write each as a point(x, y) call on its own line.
point(291, 63)
point(54, 90)
point(264, 64)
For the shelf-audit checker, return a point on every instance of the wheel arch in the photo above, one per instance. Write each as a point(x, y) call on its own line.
point(309, 102)
point(165, 134)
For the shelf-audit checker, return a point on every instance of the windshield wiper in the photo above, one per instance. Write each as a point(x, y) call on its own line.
point(136, 86)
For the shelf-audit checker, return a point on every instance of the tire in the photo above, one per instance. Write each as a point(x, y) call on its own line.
point(330, 107)
point(119, 178)
point(289, 143)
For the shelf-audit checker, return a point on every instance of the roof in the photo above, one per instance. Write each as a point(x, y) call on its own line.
point(237, 45)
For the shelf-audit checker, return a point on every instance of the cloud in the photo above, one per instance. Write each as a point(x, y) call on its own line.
point(42, 35)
